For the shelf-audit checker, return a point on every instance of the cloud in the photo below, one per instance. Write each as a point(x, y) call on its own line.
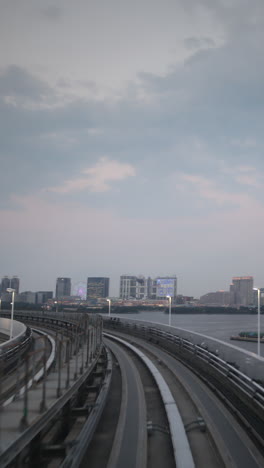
point(16, 82)
point(209, 189)
point(51, 12)
point(97, 178)
point(194, 43)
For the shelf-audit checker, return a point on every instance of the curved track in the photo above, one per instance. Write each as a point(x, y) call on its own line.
point(129, 447)
point(233, 443)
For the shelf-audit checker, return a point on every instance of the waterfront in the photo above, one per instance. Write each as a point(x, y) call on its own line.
point(215, 326)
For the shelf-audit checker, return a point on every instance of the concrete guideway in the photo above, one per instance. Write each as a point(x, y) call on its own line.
point(36, 377)
point(24, 418)
point(233, 443)
point(130, 443)
point(182, 451)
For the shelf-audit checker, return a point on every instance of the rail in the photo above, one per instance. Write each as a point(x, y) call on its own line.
point(182, 451)
point(224, 376)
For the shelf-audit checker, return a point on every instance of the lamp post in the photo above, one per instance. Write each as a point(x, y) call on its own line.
point(57, 305)
point(0, 303)
point(257, 289)
point(11, 290)
point(169, 297)
point(109, 306)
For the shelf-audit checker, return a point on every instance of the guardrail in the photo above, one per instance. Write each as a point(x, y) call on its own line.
point(222, 374)
point(83, 346)
point(77, 452)
point(10, 350)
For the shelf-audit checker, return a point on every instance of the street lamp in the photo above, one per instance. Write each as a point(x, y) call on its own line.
point(169, 297)
point(109, 306)
point(0, 303)
point(57, 305)
point(257, 289)
point(11, 290)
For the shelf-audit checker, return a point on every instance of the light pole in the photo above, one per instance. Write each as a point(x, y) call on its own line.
point(57, 305)
point(169, 297)
point(257, 289)
point(11, 290)
point(0, 303)
point(109, 306)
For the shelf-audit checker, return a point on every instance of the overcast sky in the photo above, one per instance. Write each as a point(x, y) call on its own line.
point(131, 141)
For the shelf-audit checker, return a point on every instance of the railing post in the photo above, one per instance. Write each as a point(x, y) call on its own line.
point(76, 361)
point(68, 364)
point(43, 402)
point(59, 371)
point(18, 377)
point(24, 419)
point(87, 348)
point(82, 366)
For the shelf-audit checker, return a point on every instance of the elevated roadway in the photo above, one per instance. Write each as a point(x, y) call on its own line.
point(232, 440)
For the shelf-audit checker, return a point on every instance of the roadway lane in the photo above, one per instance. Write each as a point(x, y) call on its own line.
point(130, 444)
point(239, 451)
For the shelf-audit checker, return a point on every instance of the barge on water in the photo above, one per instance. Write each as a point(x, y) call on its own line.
point(248, 336)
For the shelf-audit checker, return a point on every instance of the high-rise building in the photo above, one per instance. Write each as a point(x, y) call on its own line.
point(63, 287)
point(97, 287)
point(139, 287)
point(5, 283)
point(241, 291)
point(128, 287)
point(43, 296)
point(166, 286)
point(28, 297)
point(8, 282)
point(15, 284)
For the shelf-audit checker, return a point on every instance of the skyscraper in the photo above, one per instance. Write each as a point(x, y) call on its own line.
point(15, 284)
point(5, 283)
point(8, 282)
point(97, 287)
point(63, 287)
point(241, 290)
point(128, 286)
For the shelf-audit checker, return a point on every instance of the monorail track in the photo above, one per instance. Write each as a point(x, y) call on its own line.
point(117, 414)
point(234, 443)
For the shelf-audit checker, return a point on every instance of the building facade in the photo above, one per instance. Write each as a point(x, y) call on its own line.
point(97, 287)
point(241, 291)
point(28, 297)
point(63, 287)
point(217, 298)
point(166, 286)
point(139, 287)
point(8, 282)
point(128, 287)
point(43, 296)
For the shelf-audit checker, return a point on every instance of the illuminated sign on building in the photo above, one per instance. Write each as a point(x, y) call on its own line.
point(165, 287)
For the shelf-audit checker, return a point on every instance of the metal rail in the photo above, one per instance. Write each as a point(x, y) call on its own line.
point(81, 444)
point(244, 395)
point(87, 358)
point(182, 452)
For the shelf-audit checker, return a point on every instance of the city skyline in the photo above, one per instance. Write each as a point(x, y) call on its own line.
point(131, 140)
point(72, 287)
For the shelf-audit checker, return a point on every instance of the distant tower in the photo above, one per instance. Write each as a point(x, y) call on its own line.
point(5, 283)
point(97, 287)
point(10, 283)
point(128, 286)
point(15, 284)
point(241, 290)
point(63, 287)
